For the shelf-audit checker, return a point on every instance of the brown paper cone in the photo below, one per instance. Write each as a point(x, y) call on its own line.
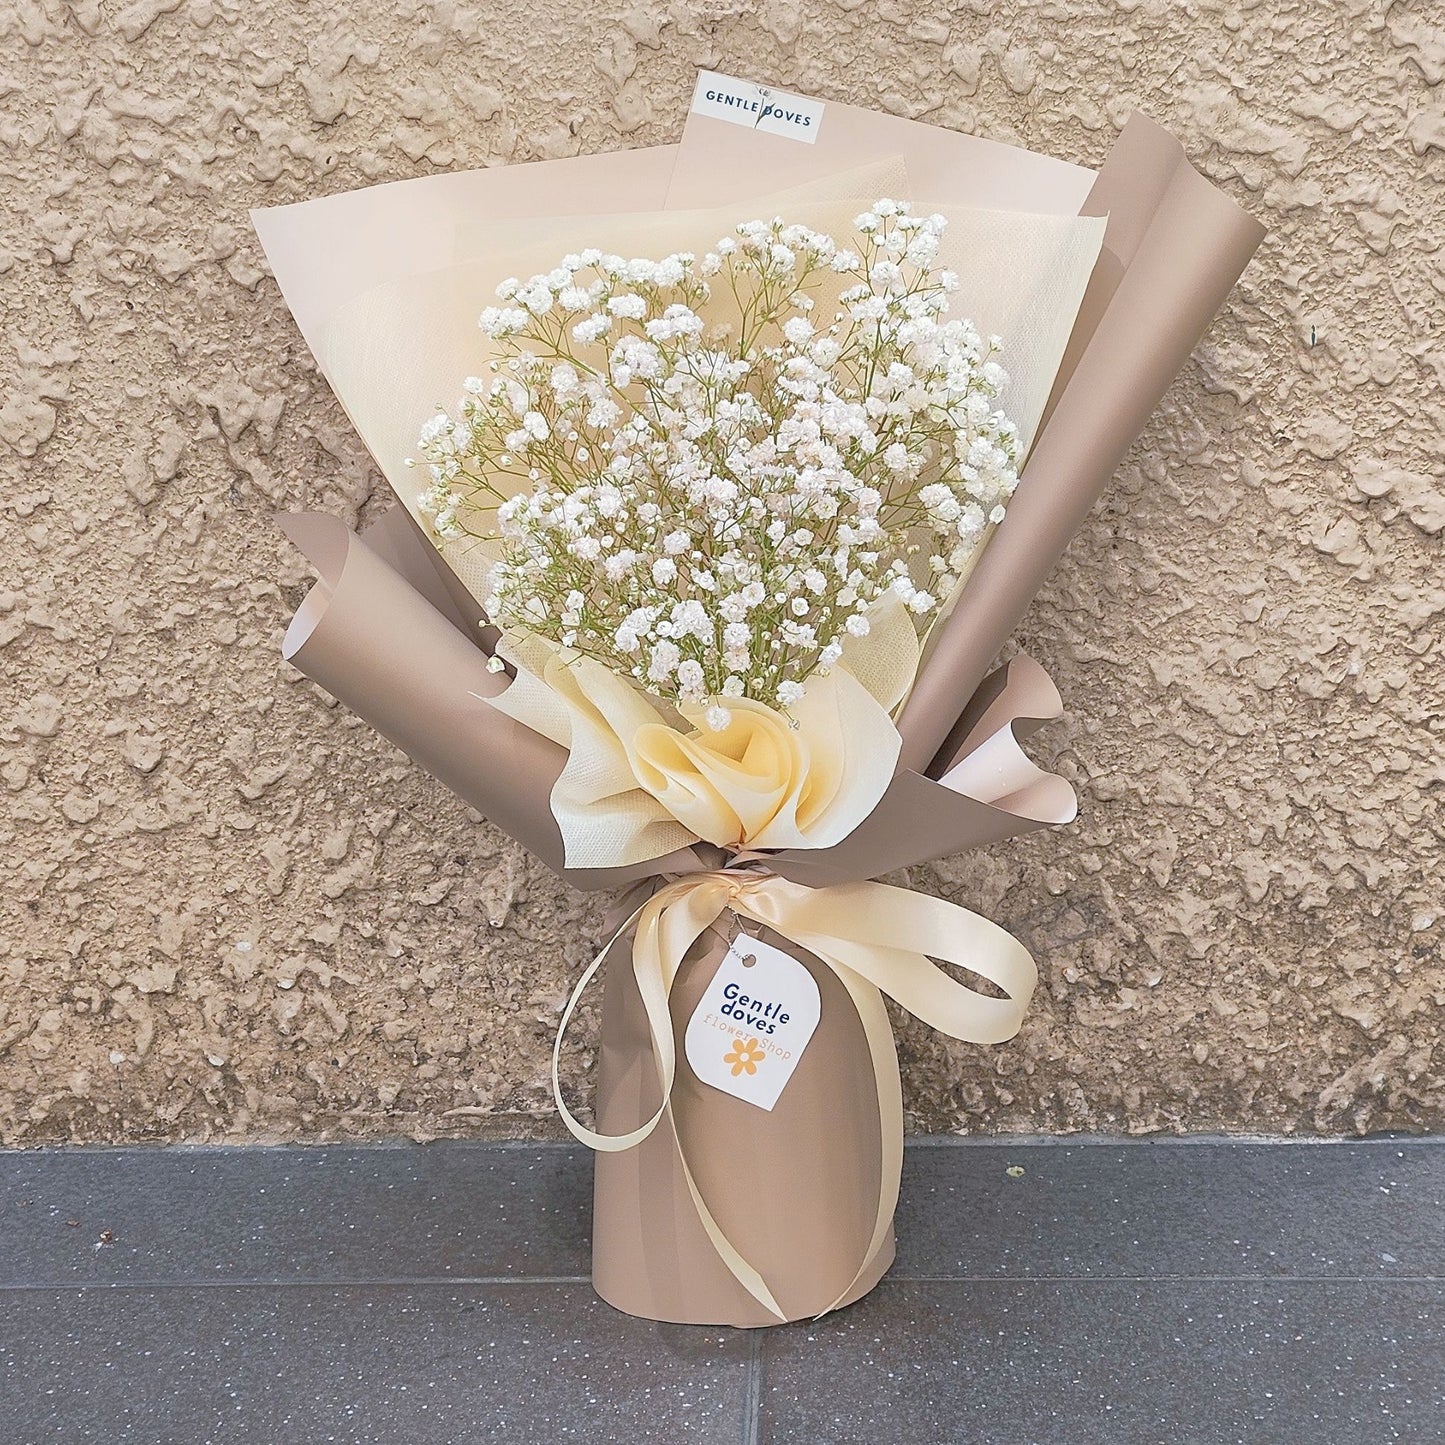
point(795, 1190)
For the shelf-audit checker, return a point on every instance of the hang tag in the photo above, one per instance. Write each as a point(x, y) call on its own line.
point(752, 1024)
point(757, 106)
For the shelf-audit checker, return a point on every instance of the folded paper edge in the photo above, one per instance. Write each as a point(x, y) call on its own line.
point(368, 636)
point(1174, 247)
point(920, 819)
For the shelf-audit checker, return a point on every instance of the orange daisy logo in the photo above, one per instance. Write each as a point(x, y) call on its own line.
point(744, 1057)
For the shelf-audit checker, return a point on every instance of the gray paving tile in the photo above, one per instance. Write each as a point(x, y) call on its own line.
point(1368, 1209)
point(1268, 1362)
point(304, 1365)
point(427, 1211)
point(462, 1210)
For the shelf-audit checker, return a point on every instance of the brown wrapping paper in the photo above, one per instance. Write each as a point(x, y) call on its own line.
point(389, 639)
point(384, 632)
point(1173, 249)
point(390, 632)
point(796, 1198)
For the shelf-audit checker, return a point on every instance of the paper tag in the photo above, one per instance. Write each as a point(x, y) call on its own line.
point(757, 107)
point(752, 1024)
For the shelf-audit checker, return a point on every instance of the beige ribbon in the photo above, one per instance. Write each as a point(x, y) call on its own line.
point(877, 939)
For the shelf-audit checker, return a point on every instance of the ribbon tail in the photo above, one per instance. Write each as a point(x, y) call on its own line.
point(607, 1143)
point(737, 1266)
point(666, 925)
point(879, 1032)
point(878, 939)
point(659, 951)
point(665, 929)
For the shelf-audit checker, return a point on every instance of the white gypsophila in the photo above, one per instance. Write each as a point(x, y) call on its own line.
point(708, 506)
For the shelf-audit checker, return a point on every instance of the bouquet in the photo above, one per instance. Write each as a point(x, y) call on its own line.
point(695, 587)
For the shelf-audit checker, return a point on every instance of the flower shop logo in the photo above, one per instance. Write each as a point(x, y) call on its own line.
point(756, 1013)
point(757, 107)
point(760, 1007)
point(744, 1057)
point(760, 107)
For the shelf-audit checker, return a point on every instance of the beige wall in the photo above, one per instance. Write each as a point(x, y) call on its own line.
point(229, 910)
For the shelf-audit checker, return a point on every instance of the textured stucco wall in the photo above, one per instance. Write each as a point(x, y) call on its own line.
point(229, 910)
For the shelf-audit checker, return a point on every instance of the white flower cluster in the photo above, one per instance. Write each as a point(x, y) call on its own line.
point(700, 486)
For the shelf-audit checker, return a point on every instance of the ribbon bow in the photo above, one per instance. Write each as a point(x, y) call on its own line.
point(877, 939)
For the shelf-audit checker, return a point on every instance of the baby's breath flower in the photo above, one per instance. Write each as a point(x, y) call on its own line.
point(665, 657)
point(711, 512)
point(633, 308)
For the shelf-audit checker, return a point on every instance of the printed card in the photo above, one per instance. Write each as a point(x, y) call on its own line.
point(752, 1024)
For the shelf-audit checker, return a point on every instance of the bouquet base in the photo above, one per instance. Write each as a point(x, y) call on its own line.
point(677, 1301)
point(794, 1189)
